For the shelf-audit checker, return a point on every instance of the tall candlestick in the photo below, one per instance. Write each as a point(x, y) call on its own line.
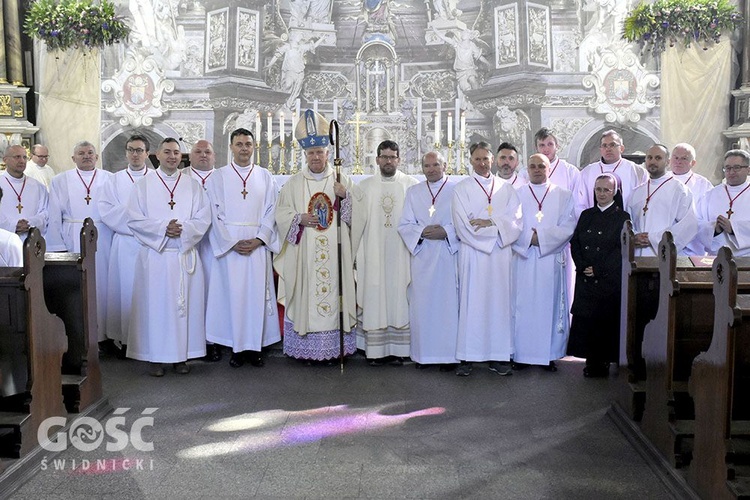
point(437, 129)
point(462, 139)
point(450, 128)
point(269, 126)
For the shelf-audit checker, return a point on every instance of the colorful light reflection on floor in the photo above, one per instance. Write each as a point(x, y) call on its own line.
point(276, 428)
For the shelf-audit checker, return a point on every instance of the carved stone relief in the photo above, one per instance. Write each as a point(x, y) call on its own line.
point(539, 35)
point(506, 36)
point(217, 27)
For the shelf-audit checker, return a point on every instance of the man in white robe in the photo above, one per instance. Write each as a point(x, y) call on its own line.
point(308, 261)
point(487, 217)
point(661, 204)
point(427, 230)
point(202, 167)
point(681, 162)
point(25, 200)
point(541, 259)
point(561, 173)
point(74, 196)
point(629, 174)
point(113, 210)
point(506, 166)
point(241, 312)
point(168, 214)
point(37, 167)
point(383, 262)
point(724, 212)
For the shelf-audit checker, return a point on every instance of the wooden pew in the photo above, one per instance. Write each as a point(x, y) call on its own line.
point(70, 292)
point(31, 352)
point(681, 329)
point(638, 305)
point(719, 385)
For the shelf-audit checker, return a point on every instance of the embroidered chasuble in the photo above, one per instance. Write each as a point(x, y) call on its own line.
point(382, 267)
point(307, 265)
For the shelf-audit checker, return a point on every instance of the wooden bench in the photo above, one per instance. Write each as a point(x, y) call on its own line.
point(719, 385)
point(638, 306)
point(681, 328)
point(70, 292)
point(31, 352)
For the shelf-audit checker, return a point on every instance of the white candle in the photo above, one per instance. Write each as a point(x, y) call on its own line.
point(315, 105)
point(437, 127)
point(294, 126)
point(257, 127)
point(335, 109)
point(419, 119)
point(463, 128)
point(281, 127)
point(269, 126)
point(450, 127)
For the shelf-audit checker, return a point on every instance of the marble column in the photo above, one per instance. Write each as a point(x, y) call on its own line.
point(3, 71)
point(13, 51)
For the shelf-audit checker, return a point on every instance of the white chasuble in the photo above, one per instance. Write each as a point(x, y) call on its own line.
point(433, 291)
point(308, 261)
point(114, 213)
point(484, 267)
point(32, 198)
point(168, 319)
point(73, 197)
point(717, 202)
point(382, 267)
point(541, 276)
point(669, 208)
point(241, 311)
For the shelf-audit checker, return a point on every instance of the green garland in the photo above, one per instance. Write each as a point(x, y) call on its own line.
point(75, 24)
point(668, 22)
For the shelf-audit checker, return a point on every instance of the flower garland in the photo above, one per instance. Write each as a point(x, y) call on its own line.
point(75, 24)
point(668, 22)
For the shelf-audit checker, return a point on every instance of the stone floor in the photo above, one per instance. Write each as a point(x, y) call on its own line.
point(294, 431)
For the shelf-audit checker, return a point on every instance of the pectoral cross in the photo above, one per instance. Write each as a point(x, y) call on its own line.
point(645, 209)
point(20, 207)
point(87, 198)
point(489, 210)
point(171, 204)
point(729, 213)
point(431, 210)
point(244, 193)
point(539, 215)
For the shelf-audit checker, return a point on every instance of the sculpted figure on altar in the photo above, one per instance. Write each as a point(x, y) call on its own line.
point(156, 32)
point(468, 47)
point(292, 53)
point(307, 12)
point(446, 9)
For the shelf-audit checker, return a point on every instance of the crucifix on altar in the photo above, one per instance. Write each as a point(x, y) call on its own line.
point(357, 150)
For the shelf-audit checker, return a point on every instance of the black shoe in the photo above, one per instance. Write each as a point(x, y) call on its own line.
point(376, 361)
point(448, 367)
point(255, 359)
point(236, 360)
point(420, 366)
point(518, 366)
point(551, 367)
point(463, 370)
point(395, 361)
point(213, 353)
point(596, 370)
